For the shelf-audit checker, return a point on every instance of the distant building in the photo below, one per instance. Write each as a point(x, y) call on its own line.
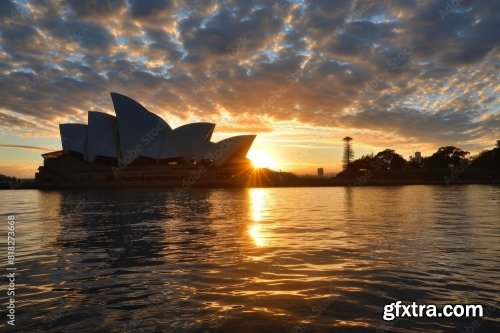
point(418, 157)
point(320, 172)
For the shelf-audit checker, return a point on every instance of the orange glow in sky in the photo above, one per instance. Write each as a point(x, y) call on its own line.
point(261, 159)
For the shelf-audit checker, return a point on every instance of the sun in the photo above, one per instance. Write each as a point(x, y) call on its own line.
point(261, 159)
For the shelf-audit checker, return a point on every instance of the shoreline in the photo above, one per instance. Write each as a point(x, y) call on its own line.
point(314, 182)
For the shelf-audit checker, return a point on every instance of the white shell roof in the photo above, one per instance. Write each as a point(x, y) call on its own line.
point(230, 148)
point(74, 137)
point(102, 135)
point(192, 139)
point(142, 133)
point(136, 132)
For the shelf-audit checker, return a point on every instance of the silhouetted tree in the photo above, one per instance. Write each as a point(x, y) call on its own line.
point(384, 160)
point(446, 157)
point(488, 159)
point(414, 164)
point(389, 160)
point(348, 153)
point(362, 163)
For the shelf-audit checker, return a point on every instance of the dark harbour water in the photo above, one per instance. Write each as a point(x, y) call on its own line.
point(252, 260)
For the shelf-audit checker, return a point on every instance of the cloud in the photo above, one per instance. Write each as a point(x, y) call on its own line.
point(403, 70)
point(9, 10)
point(95, 8)
point(140, 8)
point(10, 145)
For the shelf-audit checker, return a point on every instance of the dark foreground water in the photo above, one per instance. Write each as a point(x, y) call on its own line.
point(254, 260)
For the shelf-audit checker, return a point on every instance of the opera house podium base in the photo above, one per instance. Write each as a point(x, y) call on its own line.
point(70, 171)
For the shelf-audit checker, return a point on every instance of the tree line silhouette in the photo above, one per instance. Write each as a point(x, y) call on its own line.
point(388, 164)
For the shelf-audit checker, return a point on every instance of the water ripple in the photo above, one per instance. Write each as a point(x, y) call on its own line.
point(256, 260)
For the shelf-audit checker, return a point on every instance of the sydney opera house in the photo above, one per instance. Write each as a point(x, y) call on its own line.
point(138, 148)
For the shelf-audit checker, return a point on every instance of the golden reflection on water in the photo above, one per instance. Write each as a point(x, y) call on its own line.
point(317, 258)
point(257, 206)
point(256, 234)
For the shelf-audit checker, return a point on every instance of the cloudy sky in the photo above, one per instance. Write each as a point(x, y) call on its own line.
point(408, 75)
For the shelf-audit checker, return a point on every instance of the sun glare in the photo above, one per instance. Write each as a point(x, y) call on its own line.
point(261, 159)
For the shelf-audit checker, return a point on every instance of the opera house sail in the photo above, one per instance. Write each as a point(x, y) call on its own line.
point(138, 148)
